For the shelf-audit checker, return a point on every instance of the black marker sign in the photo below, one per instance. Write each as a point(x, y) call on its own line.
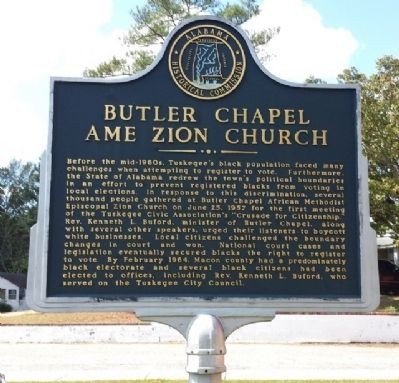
point(204, 178)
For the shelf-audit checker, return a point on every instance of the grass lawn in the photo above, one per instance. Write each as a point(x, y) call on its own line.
point(389, 305)
point(34, 318)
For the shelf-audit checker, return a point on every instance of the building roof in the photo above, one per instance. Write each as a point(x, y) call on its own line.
point(17, 279)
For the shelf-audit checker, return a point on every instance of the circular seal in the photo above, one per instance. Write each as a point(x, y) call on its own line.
point(207, 62)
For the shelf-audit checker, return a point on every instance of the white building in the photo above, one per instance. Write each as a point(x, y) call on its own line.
point(12, 290)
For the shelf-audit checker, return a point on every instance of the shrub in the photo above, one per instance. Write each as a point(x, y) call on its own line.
point(5, 308)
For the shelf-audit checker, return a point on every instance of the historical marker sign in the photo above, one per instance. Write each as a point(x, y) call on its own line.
point(203, 181)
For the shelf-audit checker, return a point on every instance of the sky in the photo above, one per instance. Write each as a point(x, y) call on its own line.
point(44, 38)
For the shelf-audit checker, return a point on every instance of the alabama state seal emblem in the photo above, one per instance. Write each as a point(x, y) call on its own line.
point(206, 61)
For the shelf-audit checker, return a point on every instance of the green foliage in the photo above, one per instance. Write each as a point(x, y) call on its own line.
point(153, 21)
point(389, 304)
point(314, 80)
point(104, 69)
point(380, 134)
point(19, 189)
point(352, 76)
point(239, 13)
point(5, 307)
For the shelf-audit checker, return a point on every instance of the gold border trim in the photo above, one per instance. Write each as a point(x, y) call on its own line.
point(172, 49)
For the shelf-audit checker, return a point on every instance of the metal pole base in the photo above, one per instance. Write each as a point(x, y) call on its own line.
point(205, 350)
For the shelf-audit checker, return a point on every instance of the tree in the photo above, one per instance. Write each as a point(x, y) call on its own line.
point(153, 21)
point(380, 136)
point(315, 80)
point(19, 189)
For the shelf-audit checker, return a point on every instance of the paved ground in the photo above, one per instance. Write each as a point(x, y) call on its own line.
point(41, 362)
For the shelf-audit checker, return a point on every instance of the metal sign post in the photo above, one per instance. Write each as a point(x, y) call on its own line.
point(205, 350)
point(205, 335)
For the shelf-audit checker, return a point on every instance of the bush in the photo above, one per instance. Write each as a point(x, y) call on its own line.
point(5, 308)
